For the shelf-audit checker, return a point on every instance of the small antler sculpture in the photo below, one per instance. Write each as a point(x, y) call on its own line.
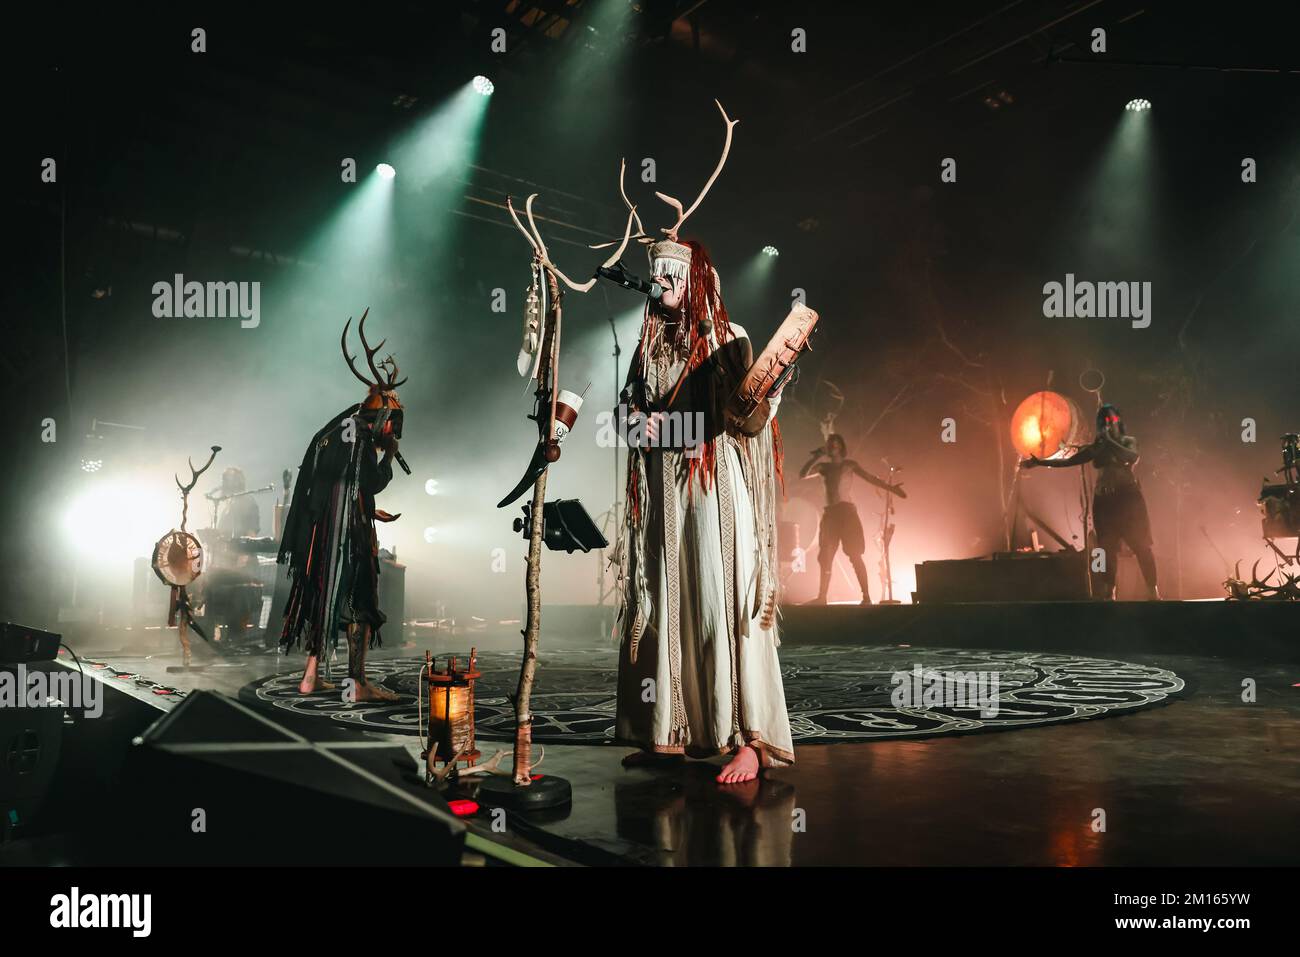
point(194, 480)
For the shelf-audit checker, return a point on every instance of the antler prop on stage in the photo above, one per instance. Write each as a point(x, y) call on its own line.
point(194, 479)
point(546, 452)
point(178, 561)
point(1286, 589)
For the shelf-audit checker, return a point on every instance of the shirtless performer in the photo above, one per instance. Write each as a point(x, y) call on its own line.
point(329, 538)
point(1119, 512)
point(840, 525)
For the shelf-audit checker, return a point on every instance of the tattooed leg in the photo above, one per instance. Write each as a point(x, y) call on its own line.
point(358, 640)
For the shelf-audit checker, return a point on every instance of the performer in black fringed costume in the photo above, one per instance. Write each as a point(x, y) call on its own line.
point(329, 538)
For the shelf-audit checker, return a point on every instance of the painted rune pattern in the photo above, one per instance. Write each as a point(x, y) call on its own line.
point(833, 693)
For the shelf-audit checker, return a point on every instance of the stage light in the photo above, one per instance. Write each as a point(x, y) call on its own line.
point(770, 251)
point(91, 465)
point(386, 171)
point(431, 487)
point(483, 86)
point(105, 521)
point(1138, 105)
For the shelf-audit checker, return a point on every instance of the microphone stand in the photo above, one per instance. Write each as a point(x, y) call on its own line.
point(887, 535)
point(611, 515)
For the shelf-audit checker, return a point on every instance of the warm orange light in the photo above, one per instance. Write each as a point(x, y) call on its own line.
point(1045, 424)
point(451, 709)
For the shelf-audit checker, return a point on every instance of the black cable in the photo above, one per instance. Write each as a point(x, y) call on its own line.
point(64, 644)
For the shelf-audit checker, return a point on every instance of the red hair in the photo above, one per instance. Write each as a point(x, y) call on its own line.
point(704, 300)
point(702, 312)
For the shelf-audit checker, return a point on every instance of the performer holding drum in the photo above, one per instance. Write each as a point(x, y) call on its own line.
point(697, 557)
point(1119, 511)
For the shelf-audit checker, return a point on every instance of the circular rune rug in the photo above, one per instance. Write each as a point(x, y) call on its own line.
point(833, 693)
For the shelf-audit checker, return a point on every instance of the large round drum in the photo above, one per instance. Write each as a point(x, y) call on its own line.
point(177, 558)
point(1047, 424)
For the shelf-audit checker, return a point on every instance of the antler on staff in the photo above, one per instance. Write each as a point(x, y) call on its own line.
point(195, 473)
point(632, 211)
point(672, 231)
point(631, 217)
point(539, 246)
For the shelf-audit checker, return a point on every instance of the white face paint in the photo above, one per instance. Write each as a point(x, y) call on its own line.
point(674, 291)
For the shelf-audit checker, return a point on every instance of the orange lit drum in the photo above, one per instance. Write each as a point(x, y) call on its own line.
point(1046, 424)
point(781, 352)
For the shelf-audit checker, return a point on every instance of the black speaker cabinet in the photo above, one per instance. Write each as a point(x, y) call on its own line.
point(20, 643)
point(1031, 576)
point(30, 742)
point(215, 782)
point(392, 597)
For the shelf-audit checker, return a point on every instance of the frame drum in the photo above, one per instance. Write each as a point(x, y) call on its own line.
point(1047, 424)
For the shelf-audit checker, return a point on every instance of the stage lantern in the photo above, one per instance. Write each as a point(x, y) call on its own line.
point(1045, 424)
point(451, 710)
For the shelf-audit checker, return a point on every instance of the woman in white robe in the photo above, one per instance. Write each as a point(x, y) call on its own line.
point(698, 667)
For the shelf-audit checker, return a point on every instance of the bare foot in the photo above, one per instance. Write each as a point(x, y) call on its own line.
point(366, 691)
point(642, 759)
point(742, 767)
point(311, 684)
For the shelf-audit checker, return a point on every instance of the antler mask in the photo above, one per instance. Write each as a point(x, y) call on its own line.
point(382, 389)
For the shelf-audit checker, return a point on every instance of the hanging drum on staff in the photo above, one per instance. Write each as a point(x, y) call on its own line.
point(178, 561)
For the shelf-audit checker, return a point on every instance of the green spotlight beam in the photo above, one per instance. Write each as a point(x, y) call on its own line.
point(361, 222)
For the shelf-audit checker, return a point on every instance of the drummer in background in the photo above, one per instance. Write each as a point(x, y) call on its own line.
point(1119, 511)
point(240, 516)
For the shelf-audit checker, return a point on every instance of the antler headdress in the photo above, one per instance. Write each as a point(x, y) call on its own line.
point(682, 215)
point(669, 252)
point(385, 372)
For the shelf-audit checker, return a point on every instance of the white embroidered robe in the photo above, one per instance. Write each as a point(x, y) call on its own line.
point(698, 666)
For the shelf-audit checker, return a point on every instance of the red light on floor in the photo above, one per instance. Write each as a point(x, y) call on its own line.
point(537, 777)
point(463, 808)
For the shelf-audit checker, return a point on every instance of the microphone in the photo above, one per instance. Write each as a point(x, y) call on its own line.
point(402, 462)
point(619, 275)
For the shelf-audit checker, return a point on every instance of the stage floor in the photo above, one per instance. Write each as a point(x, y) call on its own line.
point(1204, 778)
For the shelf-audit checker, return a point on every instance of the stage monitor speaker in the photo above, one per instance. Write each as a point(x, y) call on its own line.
point(214, 782)
point(20, 644)
point(1029, 576)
